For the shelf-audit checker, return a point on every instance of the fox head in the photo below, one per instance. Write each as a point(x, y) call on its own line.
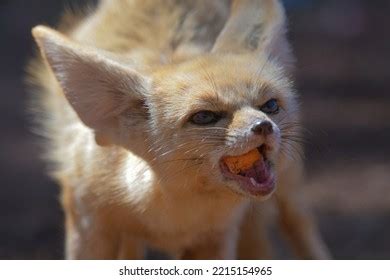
point(185, 118)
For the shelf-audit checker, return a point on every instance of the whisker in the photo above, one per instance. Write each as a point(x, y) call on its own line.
point(290, 147)
point(180, 171)
point(182, 159)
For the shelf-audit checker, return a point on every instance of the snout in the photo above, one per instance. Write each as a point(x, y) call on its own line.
point(265, 133)
point(251, 128)
point(249, 162)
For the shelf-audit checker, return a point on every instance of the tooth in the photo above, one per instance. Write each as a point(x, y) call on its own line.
point(253, 181)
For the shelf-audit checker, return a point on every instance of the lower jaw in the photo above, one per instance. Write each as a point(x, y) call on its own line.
point(259, 190)
point(265, 189)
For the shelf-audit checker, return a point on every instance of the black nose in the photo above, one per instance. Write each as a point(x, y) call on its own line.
point(263, 128)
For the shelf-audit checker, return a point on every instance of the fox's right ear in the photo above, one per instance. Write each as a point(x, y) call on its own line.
point(98, 88)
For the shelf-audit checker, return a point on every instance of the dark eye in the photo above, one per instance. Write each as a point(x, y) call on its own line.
point(205, 117)
point(270, 107)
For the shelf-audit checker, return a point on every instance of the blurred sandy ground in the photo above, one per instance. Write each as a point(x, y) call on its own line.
point(343, 50)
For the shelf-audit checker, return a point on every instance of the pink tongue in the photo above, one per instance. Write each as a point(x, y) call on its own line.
point(258, 171)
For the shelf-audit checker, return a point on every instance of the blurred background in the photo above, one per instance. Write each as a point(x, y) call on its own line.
point(343, 76)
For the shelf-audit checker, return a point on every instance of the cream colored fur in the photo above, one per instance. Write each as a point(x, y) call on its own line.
point(118, 89)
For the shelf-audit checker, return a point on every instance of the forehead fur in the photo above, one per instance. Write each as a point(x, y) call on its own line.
point(218, 83)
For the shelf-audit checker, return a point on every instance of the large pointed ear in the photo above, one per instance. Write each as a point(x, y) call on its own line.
point(255, 25)
point(99, 89)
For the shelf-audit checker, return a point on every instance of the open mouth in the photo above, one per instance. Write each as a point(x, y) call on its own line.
point(252, 171)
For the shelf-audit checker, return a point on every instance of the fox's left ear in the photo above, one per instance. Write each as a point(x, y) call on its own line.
point(99, 89)
point(256, 26)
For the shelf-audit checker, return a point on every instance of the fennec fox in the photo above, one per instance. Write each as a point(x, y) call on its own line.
point(143, 100)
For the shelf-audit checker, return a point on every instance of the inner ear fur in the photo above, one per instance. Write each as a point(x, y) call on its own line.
point(255, 26)
point(97, 87)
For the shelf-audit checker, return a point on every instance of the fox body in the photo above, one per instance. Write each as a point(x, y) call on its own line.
point(142, 100)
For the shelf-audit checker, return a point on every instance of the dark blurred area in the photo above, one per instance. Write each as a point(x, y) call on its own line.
point(343, 76)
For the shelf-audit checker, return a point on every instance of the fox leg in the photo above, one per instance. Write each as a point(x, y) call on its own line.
point(295, 219)
point(300, 229)
point(91, 237)
point(97, 242)
point(130, 248)
point(253, 242)
point(219, 246)
point(205, 251)
point(88, 239)
point(86, 236)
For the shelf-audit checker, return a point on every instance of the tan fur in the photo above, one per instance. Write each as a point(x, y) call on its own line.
point(117, 93)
